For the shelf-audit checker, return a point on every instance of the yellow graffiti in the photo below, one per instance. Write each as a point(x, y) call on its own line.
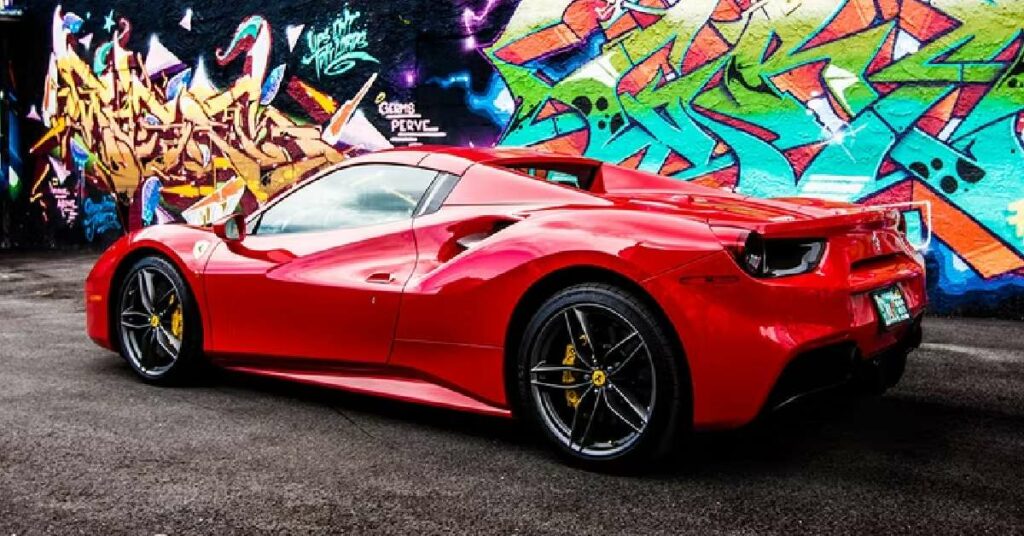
point(192, 136)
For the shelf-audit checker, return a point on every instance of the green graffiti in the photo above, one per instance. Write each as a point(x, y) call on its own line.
point(847, 100)
point(336, 48)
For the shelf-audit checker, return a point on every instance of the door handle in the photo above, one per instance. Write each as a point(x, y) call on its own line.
point(380, 278)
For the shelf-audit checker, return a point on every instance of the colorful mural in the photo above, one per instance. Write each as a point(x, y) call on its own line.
point(121, 119)
point(875, 101)
point(149, 118)
point(135, 135)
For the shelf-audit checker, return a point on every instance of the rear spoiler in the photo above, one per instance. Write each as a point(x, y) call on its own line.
point(923, 220)
point(867, 216)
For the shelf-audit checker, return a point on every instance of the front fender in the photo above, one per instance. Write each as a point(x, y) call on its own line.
point(188, 248)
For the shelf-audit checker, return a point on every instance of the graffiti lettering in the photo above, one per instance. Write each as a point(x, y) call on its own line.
point(65, 203)
point(99, 217)
point(407, 126)
point(336, 48)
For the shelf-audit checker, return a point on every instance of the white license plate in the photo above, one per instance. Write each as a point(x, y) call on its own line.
point(891, 306)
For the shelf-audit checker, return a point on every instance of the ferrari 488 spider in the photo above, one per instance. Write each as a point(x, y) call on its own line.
point(615, 309)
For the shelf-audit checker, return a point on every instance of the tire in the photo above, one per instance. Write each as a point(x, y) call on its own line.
point(634, 388)
point(159, 332)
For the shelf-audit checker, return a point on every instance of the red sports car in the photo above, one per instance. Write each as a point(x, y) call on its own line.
point(616, 309)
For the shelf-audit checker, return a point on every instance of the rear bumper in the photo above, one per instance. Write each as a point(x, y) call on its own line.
point(741, 334)
point(842, 364)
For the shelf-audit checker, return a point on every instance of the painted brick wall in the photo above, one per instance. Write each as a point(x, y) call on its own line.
point(145, 114)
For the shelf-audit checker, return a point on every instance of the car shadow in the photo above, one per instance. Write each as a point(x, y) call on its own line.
point(856, 436)
point(835, 429)
point(353, 405)
point(826, 428)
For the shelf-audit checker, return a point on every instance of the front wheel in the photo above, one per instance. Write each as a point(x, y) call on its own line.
point(599, 375)
point(157, 323)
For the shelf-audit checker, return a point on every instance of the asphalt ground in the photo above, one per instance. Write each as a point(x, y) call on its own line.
point(86, 448)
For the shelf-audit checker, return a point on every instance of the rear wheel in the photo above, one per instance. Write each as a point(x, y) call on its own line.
point(599, 375)
point(157, 323)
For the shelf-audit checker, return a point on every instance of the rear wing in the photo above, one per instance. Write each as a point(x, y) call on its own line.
point(917, 219)
point(866, 216)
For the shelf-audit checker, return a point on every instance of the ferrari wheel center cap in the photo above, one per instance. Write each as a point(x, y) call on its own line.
point(599, 378)
point(154, 321)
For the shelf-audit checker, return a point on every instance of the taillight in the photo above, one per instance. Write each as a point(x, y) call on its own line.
point(732, 238)
point(771, 257)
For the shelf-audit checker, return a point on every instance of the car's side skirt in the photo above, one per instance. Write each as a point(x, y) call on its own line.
point(385, 382)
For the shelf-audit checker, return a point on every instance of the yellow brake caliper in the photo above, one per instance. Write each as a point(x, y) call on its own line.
point(571, 396)
point(177, 319)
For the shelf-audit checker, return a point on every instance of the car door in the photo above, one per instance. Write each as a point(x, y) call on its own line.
point(320, 276)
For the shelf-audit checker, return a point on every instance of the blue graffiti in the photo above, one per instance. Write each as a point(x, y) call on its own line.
point(10, 171)
point(79, 154)
point(99, 217)
point(954, 287)
point(494, 103)
point(72, 23)
point(150, 198)
point(272, 85)
point(179, 82)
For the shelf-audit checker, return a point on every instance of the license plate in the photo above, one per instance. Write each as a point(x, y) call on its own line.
point(891, 306)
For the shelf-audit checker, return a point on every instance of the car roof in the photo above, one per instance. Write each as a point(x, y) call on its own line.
point(478, 165)
point(516, 186)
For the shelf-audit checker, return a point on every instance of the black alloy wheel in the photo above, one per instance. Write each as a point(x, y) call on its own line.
point(599, 374)
point(157, 324)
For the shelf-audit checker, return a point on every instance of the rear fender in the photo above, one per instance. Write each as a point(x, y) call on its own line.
point(470, 297)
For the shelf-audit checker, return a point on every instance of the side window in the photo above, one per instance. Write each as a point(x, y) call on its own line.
point(578, 177)
point(560, 177)
point(351, 197)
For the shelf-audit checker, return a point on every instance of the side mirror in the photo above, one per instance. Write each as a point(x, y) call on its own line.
point(230, 228)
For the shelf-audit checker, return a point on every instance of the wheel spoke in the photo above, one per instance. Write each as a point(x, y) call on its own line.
point(134, 343)
point(169, 343)
point(617, 413)
point(630, 401)
point(619, 344)
point(560, 386)
point(164, 303)
point(147, 293)
point(541, 369)
point(576, 413)
point(590, 421)
point(582, 319)
point(625, 362)
point(146, 348)
point(578, 332)
point(126, 322)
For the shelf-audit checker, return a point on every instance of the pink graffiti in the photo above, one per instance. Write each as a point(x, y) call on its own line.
point(471, 20)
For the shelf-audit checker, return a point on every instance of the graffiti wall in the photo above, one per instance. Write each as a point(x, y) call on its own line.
point(188, 110)
point(182, 113)
point(876, 101)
